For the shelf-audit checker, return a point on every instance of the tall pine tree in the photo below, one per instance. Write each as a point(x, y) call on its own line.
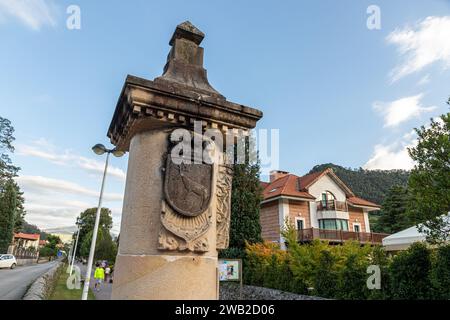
point(393, 216)
point(246, 197)
point(8, 200)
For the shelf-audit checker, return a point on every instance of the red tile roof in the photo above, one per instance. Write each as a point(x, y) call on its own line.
point(27, 236)
point(285, 186)
point(294, 186)
point(361, 202)
point(305, 181)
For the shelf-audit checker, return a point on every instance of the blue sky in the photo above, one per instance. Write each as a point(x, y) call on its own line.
point(337, 91)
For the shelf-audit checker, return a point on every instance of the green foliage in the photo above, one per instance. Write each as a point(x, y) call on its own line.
point(105, 247)
point(340, 271)
point(31, 228)
point(8, 208)
point(429, 183)
point(7, 169)
point(352, 278)
point(326, 277)
point(246, 197)
point(52, 246)
point(11, 198)
point(440, 275)
point(372, 185)
point(47, 252)
point(393, 217)
point(379, 258)
point(87, 222)
point(245, 203)
point(409, 274)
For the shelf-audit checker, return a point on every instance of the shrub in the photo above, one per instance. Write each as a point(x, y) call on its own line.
point(440, 275)
point(352, 279)
point(409, 273)
point(326, 277)
point(379, 257)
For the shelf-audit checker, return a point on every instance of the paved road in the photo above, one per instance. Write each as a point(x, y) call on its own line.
point(14, 283)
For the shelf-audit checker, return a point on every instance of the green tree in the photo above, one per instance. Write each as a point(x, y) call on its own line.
point(19, 219)
point(7, 169)
point(246, 197)
point(410, 274)
point(105, 247)
point(8, 200)
point(52, 246)
point(429, 182)
point(440, 275)
point(393, 216)
point(87, 221)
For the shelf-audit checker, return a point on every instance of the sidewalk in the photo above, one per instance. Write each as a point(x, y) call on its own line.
point(105, 290)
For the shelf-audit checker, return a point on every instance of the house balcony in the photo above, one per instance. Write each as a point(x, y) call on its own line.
point(332, 209)
point(332, 205)
point(340, 236)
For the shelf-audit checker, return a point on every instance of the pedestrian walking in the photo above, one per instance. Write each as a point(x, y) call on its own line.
point(99, 276)
point(107, 274)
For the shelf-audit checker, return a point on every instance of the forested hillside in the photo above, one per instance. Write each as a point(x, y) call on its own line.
point(372, 185)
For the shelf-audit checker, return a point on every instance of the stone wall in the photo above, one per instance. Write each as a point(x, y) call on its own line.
point(43, 287)
point(24, 262)
point(231, 291)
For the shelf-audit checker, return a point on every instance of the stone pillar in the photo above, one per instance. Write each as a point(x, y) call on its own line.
point(175, 216)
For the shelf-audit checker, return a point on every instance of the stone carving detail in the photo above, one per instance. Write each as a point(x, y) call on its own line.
point(186, 215)
point(223, 207)
point(187, 187)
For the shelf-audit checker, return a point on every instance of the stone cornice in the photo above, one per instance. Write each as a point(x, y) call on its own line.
point(145, 105)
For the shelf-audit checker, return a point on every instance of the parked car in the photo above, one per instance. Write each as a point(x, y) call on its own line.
point(8, 261)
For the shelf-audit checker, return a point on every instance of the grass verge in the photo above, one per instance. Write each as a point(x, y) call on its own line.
point(61, 291)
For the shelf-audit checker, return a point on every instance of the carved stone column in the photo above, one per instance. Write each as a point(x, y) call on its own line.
point(175, 216)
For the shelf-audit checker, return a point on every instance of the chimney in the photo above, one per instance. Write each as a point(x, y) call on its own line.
point(275, 174)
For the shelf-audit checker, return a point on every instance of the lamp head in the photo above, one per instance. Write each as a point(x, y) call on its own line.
point(117, 153)
point(99, 149)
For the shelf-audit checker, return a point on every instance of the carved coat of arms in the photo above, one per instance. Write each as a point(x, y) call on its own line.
point(186, 212)
point(187, 187)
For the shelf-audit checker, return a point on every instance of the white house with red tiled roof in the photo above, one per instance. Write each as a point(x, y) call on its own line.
point(319, 205)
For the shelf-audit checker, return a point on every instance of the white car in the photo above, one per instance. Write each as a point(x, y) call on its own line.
point(7, 261)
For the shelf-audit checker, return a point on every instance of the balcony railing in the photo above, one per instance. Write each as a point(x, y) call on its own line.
point(310, 234)
point(332, 205)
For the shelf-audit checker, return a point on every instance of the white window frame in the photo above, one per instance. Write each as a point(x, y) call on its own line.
point(357, 224)
point(300, 218)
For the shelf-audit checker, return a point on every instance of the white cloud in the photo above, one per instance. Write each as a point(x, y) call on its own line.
point(32, 13)
point(41, 148)
point(52, 203)
point(392, 156)
point(45, 186)
point(424, 80)
point(422, 45)
point(401, 110)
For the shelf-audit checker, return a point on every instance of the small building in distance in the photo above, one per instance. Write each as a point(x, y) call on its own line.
point(27, 241)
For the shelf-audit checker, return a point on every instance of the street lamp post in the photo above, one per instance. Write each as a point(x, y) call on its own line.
point(99, 149)
point(74, 249)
